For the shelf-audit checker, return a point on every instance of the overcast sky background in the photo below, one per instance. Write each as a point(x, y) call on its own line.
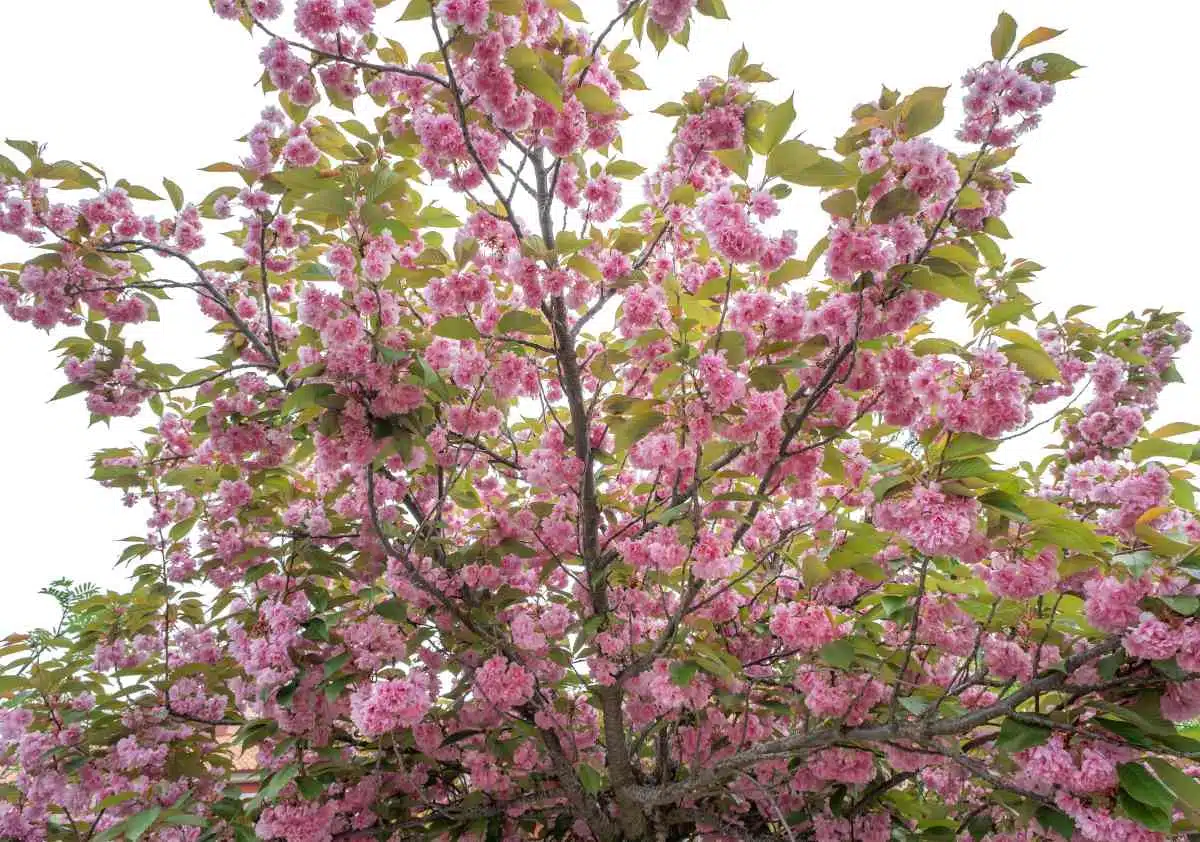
point(147, 88)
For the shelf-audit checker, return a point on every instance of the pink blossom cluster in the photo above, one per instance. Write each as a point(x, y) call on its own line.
point(1017, 577)
point(671, 15)
point(805, 626)
point(1002, 102)
point(395, 703)
point(846, 697)
point(727, 221)
point(934, 522)
point(503, 684)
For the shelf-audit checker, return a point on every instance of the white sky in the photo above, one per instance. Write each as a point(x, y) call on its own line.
point(147, 88)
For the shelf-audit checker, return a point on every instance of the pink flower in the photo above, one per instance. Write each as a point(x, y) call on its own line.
point(872, 827)
point(1181, 702)
point(503, 684)
point(387, 705)
point(603, 195)
point(933, 522)
point(1152, 639)
point(845, 765)
point(358, 14)
point(853, 251)
point(1023, 578)
point(671, 15)
point(657, 451)
point(266, 9)
point(1111, 604)
point(304, 821)
point(299, 151)
point(1007, 658)
point(316, 17)
point(721, 127)
point(805, 626)
point(471, 15)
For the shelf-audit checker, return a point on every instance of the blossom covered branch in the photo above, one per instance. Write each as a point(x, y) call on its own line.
point(564, 511)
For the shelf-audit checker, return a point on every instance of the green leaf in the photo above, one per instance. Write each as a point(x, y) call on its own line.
point(779, 120)
point(136, 191)
point(541, 84)
point(26, 147)
point(1183, 785)
point(624, 169)
point(969, 199)
point(1056, 820)
point(1003, 35)
point(569, 10)
point(861, 546)
point(626, 431)
point(981, 825)
point(1058, 67)
point(1037, 36)
point(592, 780)
point(1143, 786)
point(455, 327)
point(737, 160)
point(959, 288)
point(839, 653)
point(331, 201)
point(1004, 503)
point(996, 228)
point(1069, 534)
point(1143, 814)
point(336, 663)
point(278, 781)
point(68, 389)
point(139, 823)
point(684, 194)
point(791, 158)
point(436, 217)
point(1019, 337)
point(118, 798)
point(923, 110)
point(824, 173)
point(8, 168)
point(1017, 736)
point(1185, 605)
point(1006, 311)
point(738, 60)
point(522, 56)
point(465, 497)
point(682, 672)
point(888, 485)
point(1176, 428)
point(522, 321)
point(417, 9)
point(1033, 361)
point(392, 609)
point(897, 202)
point(305, 397)
point(1152, 448)
point(595, 99)
point(893, 605)
point(175, 192)
point(843, 203)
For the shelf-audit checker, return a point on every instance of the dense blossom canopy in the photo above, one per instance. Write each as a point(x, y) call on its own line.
point(589, 504)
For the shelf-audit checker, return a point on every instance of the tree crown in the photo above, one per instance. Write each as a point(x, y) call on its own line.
point(529, 493)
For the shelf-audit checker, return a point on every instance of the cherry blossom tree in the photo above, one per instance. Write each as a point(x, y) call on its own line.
point(528, 493)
